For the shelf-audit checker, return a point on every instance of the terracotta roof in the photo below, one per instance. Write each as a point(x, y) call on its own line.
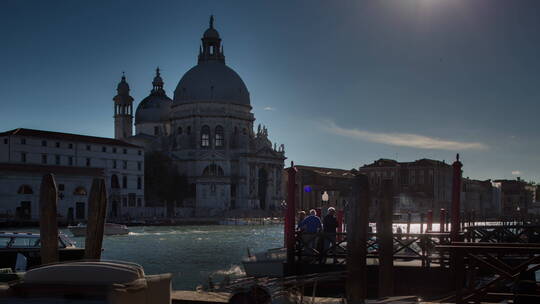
point(67, 137)
point(332, 172)
point(384, 163)
point(61, 170)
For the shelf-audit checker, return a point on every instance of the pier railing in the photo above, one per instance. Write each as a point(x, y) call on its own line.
point(331, 248)
point(494, 272)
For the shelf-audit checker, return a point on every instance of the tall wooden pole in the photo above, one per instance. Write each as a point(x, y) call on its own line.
point(356, 241)
point(48, 226)
point(384, 235)
point(456, 199)
point(290, 213)
point(97, 206)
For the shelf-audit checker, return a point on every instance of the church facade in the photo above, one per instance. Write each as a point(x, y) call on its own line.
point(207, 129)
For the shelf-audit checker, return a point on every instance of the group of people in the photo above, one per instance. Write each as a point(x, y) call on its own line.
point(312, 224)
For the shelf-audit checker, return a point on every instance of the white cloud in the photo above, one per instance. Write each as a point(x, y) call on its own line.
point(269, 109)
point(404, 139)
point(516, 172)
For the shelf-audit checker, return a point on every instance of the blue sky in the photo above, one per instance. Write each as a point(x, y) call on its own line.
point(340, 83)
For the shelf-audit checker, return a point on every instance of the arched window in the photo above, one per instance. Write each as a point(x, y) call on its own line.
point(80, 191)
point(219, 137)
point(25, 189)
point(213, 170)
point(114, 182)
point(205, 137)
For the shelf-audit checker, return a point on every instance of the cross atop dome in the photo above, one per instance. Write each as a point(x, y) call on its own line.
point(211, 49)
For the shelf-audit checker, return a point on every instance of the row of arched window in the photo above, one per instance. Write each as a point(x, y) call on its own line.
point(26, 189)
point(206, 138)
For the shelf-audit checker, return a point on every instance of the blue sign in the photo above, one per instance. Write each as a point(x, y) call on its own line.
point(307, 188)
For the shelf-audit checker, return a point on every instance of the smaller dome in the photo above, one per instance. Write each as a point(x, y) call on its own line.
point(211, 33)
point(123, 86)
point(154, 108)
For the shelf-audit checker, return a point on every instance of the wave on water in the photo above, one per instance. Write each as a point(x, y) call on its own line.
point(234, 270)
point(169, 232)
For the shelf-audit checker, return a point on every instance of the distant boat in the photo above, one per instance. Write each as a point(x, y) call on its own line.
point(21, 250)
point(110, 229)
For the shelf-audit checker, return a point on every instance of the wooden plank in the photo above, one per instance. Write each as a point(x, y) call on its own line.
point(97, 206)
point(356, 285)
point(385, 236)
point(48, 227)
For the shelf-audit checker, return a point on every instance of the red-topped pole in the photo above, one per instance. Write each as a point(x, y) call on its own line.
point(456, 199)
point(290, 213)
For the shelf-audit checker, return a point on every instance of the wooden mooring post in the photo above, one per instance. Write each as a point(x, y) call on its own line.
point(356, 285)
point(384, 235)
point(408, 222)
point(422, 215)
point(97, 206)
point(290, 214)
point(48, 226)
point(442, 220)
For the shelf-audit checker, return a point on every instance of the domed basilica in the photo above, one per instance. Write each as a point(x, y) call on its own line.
point(207, 130)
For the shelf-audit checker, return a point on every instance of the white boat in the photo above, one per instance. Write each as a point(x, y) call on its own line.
point(110, 229)
point(265, 264)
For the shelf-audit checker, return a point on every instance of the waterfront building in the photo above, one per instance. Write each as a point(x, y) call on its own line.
point(419, 186)
point(516, 196)
point(26, 155)
point(478, 196)
point(207, 130)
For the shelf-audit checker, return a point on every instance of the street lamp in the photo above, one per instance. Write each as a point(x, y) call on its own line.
point(324, 198)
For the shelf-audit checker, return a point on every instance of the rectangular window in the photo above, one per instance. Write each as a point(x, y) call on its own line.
point(131, 199)
point(139, 183)
point(88, 163)
point(57, 159)
point(139, 152)
point(5, 141)
point(23, 157)
point(156, 130)
point(139, 166)
point(88, 147)
point(139, 202)
point(23, 141)
point(124, 164)
point(70, 160)
point(61, 187)
point(124, 181)
point(43, 143)
point(58, 144)
point(113, 150)
point(80, 211)
point(125, 151)
point(103, 149)
point(70, 146)
point(114, 164)
point(43, 158)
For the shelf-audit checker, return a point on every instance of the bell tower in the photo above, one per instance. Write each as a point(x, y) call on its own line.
point(211, 48)
point(123, 111)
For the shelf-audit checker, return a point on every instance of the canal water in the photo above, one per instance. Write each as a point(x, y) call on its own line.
point(190, 253)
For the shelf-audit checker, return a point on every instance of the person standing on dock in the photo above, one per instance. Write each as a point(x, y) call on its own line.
point(310, 226)
point(330, 225)
point(301, 217)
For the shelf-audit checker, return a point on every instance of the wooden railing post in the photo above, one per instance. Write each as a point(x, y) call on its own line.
point(48, 226)
point(385, 237)
point(97, 206)
point(356, 242)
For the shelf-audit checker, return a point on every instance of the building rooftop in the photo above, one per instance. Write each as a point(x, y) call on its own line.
point(67, 136)
point(330, 172)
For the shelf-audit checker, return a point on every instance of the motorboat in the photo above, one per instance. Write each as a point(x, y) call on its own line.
point(110, 229)
point(21, 250)
point(265, 264)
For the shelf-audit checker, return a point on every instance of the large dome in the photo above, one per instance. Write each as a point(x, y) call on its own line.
point(211, 81)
